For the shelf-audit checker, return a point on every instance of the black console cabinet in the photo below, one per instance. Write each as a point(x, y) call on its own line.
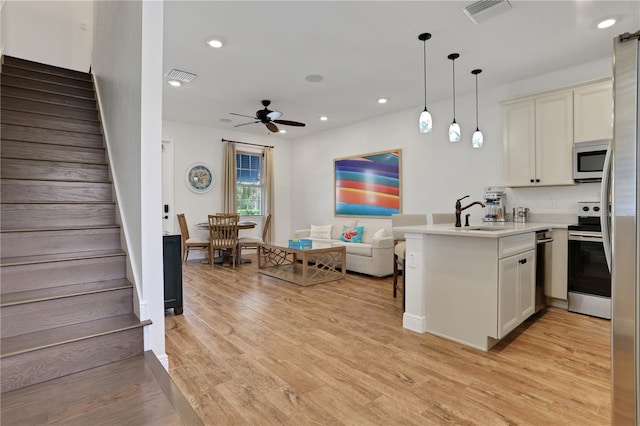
point(172, 258)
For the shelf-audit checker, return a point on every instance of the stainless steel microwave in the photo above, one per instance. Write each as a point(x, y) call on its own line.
point(588, 160)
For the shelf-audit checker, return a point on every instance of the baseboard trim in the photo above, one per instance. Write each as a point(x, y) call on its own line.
point(172, 392)
point(414, 323)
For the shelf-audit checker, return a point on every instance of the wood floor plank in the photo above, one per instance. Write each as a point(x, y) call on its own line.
point(336, 353)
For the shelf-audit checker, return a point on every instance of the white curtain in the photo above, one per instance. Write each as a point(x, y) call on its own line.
point(269, 189)
point(229, 179)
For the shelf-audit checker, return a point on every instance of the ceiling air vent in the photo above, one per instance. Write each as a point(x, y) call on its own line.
point(183, 76)
point(484, 9)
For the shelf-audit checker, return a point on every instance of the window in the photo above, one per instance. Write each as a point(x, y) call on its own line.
point(249, 184)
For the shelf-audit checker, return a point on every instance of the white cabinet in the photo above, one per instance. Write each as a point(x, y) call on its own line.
point(538, 140)
point(516, 290)
point(593, 112)
point(555, 280)
point(520, 143)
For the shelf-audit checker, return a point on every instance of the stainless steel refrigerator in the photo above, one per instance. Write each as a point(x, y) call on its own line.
point(623, 250)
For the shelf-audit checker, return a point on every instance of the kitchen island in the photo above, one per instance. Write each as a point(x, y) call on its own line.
point(472, 284)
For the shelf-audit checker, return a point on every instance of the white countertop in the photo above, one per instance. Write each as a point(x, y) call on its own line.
point(487, 229)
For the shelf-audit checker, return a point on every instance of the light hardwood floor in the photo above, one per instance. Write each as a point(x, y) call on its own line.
point(251, 349)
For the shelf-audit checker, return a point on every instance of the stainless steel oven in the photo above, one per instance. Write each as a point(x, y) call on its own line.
point(589, 280)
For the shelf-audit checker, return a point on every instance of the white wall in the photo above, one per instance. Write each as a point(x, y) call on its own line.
point(127, 63)
point(435, 172)
point(200, 144)
point(57, 33)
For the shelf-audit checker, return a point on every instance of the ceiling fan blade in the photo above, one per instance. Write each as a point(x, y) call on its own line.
point(272, 127)
point(289, 123)
point(242, 115)
point(244, 124)
point(274, 115)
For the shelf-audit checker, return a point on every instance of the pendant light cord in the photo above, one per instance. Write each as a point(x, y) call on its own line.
point(424, 59)
point(454, 90)
point(477, 102)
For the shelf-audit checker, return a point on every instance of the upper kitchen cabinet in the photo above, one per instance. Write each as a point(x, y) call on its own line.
point(538, 137)
point(593, 112)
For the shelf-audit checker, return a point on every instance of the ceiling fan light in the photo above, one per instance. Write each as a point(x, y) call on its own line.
point(477, 140)
point(454, 132)
point(425, 122)
point(274, 115)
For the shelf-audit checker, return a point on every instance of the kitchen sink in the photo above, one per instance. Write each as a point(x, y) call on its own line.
point(482, 228)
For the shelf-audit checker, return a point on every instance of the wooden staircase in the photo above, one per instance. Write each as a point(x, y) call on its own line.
point(66, 305)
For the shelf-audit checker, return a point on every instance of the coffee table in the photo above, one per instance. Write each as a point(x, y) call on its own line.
point(318, 264)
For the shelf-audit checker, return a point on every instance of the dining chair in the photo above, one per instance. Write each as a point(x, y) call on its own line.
point(188, 243)
point(223, 235)
point(437, 218)
point(400, 245)
point(253, 242)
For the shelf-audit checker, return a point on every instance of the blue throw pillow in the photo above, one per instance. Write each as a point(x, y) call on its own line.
point(351, 234)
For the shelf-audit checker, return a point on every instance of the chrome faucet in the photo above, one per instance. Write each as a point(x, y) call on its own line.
point(459, 209)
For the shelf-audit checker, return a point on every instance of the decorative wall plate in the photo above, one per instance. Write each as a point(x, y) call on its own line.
point(200, 178)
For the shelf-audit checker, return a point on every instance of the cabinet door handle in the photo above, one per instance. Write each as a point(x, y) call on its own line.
point(538, 180)
point(522, 261)
point(531, 180)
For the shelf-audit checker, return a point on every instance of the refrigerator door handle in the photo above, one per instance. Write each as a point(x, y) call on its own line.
point(605, 203)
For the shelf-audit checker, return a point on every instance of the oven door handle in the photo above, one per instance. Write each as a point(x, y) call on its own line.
point(585, 237)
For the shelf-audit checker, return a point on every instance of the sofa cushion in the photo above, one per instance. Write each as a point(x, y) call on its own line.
point(371, 227)
point(351, 234)
point(358, 249)
point(336, 230)
point(320, 232)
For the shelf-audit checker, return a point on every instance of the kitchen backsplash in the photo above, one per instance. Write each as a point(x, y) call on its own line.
point(552, 200)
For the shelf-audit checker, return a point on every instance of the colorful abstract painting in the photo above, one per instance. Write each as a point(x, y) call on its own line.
point(368, 184)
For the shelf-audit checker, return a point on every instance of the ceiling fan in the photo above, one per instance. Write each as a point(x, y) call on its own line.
point(268, 118)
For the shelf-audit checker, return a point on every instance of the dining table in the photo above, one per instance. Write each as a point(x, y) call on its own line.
point(243, 224)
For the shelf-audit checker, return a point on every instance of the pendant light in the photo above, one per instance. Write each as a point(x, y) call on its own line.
point(477, 140)
point(425, 124)
point(454, 128)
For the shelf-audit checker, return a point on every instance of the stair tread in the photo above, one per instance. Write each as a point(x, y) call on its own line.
point(48, 77)
point(62, 228)
point(13, 80)
point(16, 345)
point(59, 257)
point(48, 108)
point(45, 121)
point(18, 298)
point(45, 68)
point(57, 163)
point(50, 136)
point(28, 94)
point(73, 203)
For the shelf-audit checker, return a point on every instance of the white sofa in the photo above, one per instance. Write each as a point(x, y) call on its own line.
point(373, 256)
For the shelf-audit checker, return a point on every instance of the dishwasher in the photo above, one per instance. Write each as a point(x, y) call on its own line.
point(543, 261)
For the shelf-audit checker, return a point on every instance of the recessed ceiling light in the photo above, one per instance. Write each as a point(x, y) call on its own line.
point(382, 101)
point(175, 83)
point(324, 118)
point(282, 131)
point(314, 78)
point(216, 43)
point(606, 23)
